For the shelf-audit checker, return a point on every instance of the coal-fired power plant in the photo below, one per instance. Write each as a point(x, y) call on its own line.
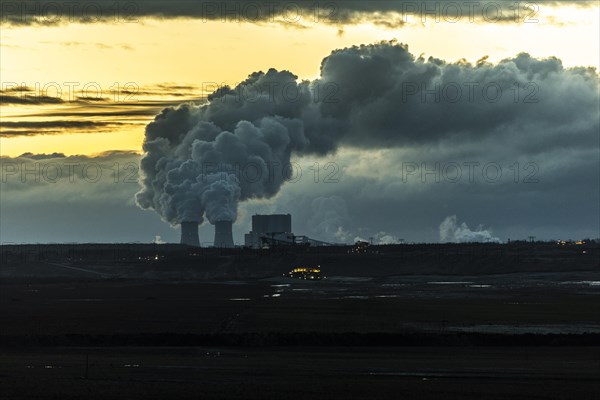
point(201, 160)
point(189, 234)
point(223, 234)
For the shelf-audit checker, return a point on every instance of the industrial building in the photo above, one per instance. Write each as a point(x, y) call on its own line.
point(276, 230)
point(272, 223)
point(276, 227)
point(267, 231)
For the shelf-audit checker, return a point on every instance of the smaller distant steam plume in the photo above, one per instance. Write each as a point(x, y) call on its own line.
point(451, 232)
point(189, 233)
point(223, 234)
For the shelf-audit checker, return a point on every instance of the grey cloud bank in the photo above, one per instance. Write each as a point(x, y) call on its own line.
point(294, 13)
point(362, 114)
point(372, 97)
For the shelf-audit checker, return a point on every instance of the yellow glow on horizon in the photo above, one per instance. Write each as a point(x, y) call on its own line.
point(188, 51)
point(74, 143)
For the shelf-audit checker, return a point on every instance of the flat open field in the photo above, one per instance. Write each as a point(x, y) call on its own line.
point(417, 373)
point(512, 303)
point(95, 331)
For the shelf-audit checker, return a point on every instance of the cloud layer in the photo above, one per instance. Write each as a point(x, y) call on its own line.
point(369, 97)
point(293, 13)
point(379, 139)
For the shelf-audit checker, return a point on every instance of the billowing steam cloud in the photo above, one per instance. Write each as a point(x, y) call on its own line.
point(201, 160)
point(198, 169)
point(451, 232)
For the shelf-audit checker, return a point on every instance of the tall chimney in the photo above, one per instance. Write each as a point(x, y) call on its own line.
point(189, 233)
point(223, 234)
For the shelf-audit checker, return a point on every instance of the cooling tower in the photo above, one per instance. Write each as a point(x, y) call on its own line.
point(223, 234)
point(189, 234)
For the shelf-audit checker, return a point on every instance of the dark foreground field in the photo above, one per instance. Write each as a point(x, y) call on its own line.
point(418, 373)
point(76, 330)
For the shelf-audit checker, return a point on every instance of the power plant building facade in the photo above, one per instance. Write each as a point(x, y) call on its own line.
point(272, 223)
point(274, 226)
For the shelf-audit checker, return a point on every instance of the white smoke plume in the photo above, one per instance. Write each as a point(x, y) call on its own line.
point(328, 216)
point(386, 238)
point(452, 232)
point(201, 160)
point(380, 238)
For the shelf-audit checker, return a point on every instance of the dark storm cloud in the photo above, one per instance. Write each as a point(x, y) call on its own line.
point(174, 86)
point(387, 13)
point(131, 95)
point(365, 114)
point(89, 114)
point(7, 133)
point(402, 100)
point(12, 89)
point(87, 99)
point(560, 202)
point(33, 156)
point(100, 112)
point(31, 128)
point(55, 124)
point(29, 99)
point(43, 100)
point(373, 97)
